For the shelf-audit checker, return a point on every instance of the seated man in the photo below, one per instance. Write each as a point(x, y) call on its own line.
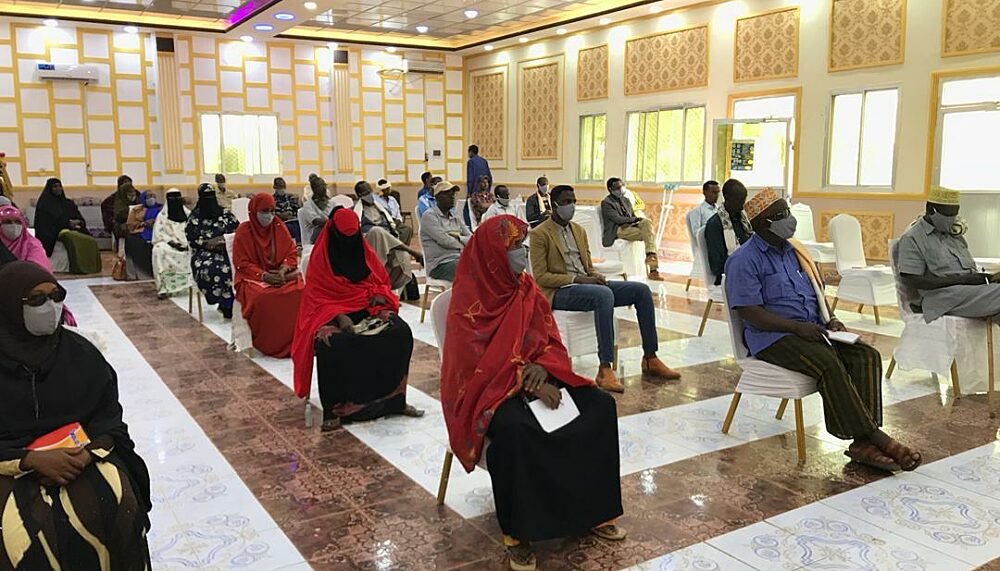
point(287, 208)
point(425, 198)
point(772, 283)
point(620, 222)
point(560, 261)
point(538, 208)
point(722, 235)
point(388, 240)
point(934, 260)
point(388, 199)
point(443, 235)
point(708, 207)
point(503, 204)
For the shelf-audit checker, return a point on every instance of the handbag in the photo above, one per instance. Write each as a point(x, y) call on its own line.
point(118, 271)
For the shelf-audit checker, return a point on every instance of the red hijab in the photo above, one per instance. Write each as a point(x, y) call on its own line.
point(329, 293)
point(258, 249)
point(503, 322)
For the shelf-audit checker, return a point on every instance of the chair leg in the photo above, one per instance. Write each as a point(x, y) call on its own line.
point(309, 414)
point(892, 367)
point(731, 413)
point(688, 286)
point(614, 357)
point(704, 318)
point(834, 306)
point(800, 431)
point(877, 320)
point(781, 409)
point(423, 304)
point(861, 307)
point(445, 476)
point(200, 318)
point(190, 299)
point(989, 366)
point(954, 380)
point(624, 277)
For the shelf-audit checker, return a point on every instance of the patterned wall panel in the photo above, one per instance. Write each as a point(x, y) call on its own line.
point(664, 62)
point(767, 46)
point(487, 109)
point(876, 230)
point(592, 69)
point(971, 26)
point(867, 33)
point(541, 111)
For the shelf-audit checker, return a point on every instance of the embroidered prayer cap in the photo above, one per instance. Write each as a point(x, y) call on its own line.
point(944, 196)
point(443, 186)
point(761, 202)
point(384, 186)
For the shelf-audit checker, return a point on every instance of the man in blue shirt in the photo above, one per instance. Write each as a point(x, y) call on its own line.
point(475, 168)
point(773, 286)
point(425, 198)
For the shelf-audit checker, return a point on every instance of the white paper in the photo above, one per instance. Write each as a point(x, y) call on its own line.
point(843, 337)
point(552, 419)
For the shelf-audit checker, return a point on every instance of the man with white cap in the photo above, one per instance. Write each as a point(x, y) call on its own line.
point(776, 289)
point(934, 261)
point(443, 236)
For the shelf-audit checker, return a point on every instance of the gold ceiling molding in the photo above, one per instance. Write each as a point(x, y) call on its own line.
point(110, 16)
point(970, 27)
point(667, 61)
point(593, 67)
point(867, 33)
point(767, 46)
point(540, 112)
point(488, 113)
point(877, 228)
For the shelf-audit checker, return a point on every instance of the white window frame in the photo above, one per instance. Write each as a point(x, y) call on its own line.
point(827, 159)
point(705, 142)
point(943, 110)
point(220, 114)
point(593, 149)
point(795, 124)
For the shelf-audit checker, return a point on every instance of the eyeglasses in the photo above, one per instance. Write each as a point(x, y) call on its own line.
point(781, 215)
point(37, 300)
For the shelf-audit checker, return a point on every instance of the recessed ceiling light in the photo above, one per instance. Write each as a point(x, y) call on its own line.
point(488, 47)
point(391, 49)
point(605, 21)
point(130, 30)
point(561, 31)
point(247, 39)
point(523, 40)
point(655, 9)
point(284, 16)
point(471, 13)
point(422, 29)
point(50, 23)
point(264, 27)
point(309, 5)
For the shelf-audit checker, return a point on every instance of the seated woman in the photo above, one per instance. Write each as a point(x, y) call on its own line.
point(266, 276)
point(25, 247)
point(124, 199)
point(171, 255)
point(545, 484)
point(68, 508)
point(348, 320)
point(139, 237)
point(57, 219)
point(480, 201)
point(206, 235)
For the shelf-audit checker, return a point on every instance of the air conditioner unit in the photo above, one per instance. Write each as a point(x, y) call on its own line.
point(69, 71)
point(418, 66)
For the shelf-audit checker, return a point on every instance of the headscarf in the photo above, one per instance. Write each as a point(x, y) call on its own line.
point(52, 215)
point(328, 294)
point(175, 206)
point(257, 249)
point(501, 322)
point(123, 203)
point(208, 205)
point(26, 247)
point(345, 248)
point(151, 213)
point(16, 343)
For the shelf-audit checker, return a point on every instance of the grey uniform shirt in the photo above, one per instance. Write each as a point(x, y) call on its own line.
point(925, 251)
point(440, 247)
point(574, 262)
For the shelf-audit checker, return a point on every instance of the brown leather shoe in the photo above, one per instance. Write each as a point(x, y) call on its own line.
point(655, 276)
point(607, 380)
point(654, 366)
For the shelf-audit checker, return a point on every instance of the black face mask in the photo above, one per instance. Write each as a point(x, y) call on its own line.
point(175, 207)
point(208, 204)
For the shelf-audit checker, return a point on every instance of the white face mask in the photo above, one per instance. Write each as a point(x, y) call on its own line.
point(43, 320)
point(265, 218)
point(12, 231)
point(517, 259)
point(543, 188)
point(505, 202)
point(368, 199)
point(150, 202)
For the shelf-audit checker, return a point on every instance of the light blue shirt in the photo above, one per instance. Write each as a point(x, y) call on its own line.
point(389, 204)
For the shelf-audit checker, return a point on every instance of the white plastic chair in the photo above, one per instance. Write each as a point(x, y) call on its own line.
point(805, 232)
point(241, 338)
point(713, 291)
point(859, 282)
point(698, 263)
point(941, 345)
point(304, 260)
point(764, 379)
point(435, 285)
point(241, 209)
point(589, 218)
point(59, 258)
point(579, 333)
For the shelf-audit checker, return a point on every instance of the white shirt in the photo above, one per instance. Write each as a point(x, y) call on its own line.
point(496, 209)
point(700, 216)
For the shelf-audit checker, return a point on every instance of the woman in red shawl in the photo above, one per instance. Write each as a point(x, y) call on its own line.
point(348, 320)
point(545, 485)
point(266, 277)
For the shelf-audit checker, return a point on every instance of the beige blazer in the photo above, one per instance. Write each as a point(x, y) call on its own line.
point(548, 256)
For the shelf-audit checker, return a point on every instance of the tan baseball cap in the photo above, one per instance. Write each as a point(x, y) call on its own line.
point(443, 186)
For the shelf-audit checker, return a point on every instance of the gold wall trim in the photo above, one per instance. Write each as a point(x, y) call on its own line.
point(593, 72)
point(766, 46)
point(667, 61)
point(540, 112)
point(970, 27)
point(866, 33)
point(488, 112)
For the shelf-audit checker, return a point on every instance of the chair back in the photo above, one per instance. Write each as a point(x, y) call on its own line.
point(241, 209)
point(439, 318)
point(740, 350)
point(701, 250)
point(229, 247)
point(590, 219)
point(698, 268)
point(845, 230)
point(806, 229)
point(904, 295)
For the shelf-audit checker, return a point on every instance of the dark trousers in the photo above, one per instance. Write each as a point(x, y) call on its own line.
point(849, 378)
point(603, 300)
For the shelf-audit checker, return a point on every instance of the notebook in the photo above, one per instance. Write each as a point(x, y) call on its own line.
point(843, 337)
point(69, 436)
point(552, 419)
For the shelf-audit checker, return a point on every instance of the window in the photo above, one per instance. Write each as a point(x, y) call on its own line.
point(862, 142)
point(776, 148)
point(236, 143)
point(968, 120)
point(666, 145)
point(592, 140)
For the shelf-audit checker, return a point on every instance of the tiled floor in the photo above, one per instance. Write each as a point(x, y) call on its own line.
point(240, 483)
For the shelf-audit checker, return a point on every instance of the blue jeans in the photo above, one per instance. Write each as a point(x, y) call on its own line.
point(603, 300)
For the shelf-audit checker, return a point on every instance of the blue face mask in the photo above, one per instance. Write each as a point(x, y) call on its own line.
point(942, 223)
point(518, 260)
point(784, 228)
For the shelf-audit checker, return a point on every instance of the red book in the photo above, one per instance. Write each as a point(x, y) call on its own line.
point(69, 436)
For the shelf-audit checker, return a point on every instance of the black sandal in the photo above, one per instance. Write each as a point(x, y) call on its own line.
point(522, 557)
